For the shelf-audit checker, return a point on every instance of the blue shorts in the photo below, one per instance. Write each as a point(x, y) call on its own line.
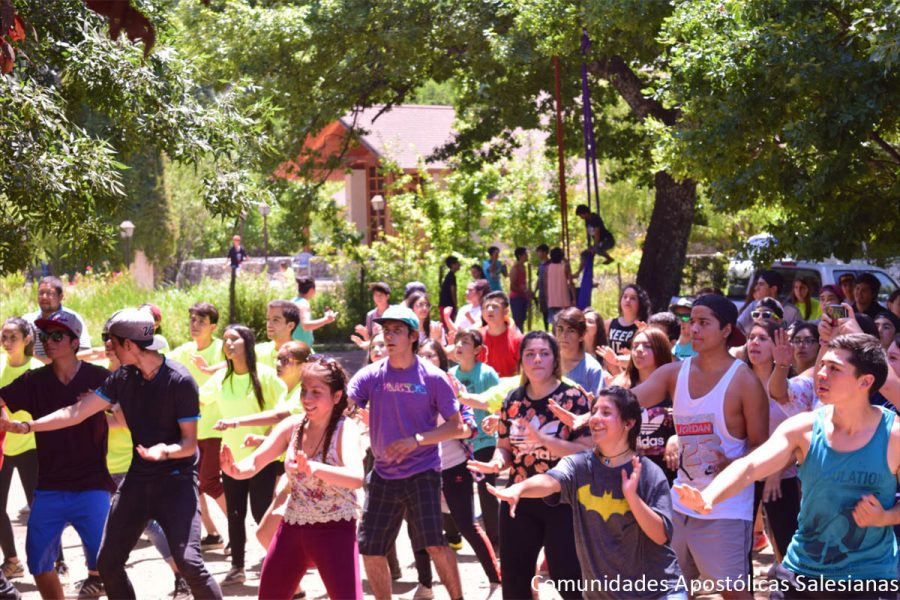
point(51, 513)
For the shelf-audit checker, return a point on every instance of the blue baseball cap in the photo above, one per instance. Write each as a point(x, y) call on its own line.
point(400, 312)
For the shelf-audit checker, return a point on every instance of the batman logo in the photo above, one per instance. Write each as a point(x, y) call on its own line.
point(605, 505)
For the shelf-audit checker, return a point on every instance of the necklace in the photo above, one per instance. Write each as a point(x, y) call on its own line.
point(608, 459)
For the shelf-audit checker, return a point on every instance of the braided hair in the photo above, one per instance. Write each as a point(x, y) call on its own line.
point(335, 377)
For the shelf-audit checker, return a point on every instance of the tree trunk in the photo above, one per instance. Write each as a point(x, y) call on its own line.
point(665, 246)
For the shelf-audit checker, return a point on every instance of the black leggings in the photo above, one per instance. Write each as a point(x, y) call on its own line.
point(490, 506)
point(27, 465)
point(781, 515)
point(537, 526)
point(261, 489)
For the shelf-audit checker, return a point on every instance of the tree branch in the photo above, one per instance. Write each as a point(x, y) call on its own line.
point(615, 70)
point(893, 152)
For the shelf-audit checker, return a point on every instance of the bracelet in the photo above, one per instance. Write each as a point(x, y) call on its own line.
point(783, 366)
point(28, 425)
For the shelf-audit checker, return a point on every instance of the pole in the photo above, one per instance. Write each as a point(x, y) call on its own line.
point(266, 240)
point(560, 151)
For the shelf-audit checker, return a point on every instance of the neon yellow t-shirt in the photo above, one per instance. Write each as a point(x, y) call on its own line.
point(18, 443)
point(235, 398)
point(212, 354)
point(291, 401)
point(119, 450)
point(266, 354)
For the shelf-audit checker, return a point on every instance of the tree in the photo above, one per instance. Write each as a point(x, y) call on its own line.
point(78, 109)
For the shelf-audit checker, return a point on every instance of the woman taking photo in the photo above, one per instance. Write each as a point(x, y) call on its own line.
point(242, 389)
point(531, 440)
point(324, 466)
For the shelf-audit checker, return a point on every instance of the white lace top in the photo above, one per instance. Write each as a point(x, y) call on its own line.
point(315, 501)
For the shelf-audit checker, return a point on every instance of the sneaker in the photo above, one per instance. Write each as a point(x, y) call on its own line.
point(12, 569)
point(455, 545)
point(760, 541)
point(62, 571)
point(92, 587)
point(423, 593)
point(212, 541)
point(235, 576)
point(182, 589)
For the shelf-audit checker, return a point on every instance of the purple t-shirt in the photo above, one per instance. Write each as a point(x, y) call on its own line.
point(402, 403)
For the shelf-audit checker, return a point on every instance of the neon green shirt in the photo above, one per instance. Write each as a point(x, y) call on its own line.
point(266, 354)
point(119, 450)
point(212, 354)
point(18, 443)
point(291, 401)
point(235, 398)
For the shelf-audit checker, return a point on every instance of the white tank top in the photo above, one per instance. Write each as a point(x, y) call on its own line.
point(703, 436)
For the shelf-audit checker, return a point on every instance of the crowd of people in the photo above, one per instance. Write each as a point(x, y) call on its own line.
point(636, 452)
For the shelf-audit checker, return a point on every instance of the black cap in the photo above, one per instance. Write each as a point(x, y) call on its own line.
point(726, 312)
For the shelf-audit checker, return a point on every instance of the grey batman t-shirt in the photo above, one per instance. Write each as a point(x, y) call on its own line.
point(617, 558)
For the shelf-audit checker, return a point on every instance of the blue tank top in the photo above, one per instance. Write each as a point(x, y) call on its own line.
point(828, 543)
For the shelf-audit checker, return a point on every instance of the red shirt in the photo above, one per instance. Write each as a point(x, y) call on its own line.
point(501, 351)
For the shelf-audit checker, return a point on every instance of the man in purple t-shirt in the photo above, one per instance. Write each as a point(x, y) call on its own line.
point(404, 397)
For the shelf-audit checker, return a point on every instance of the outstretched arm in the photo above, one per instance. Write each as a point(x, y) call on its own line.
point(538, 486)
point(88, 404)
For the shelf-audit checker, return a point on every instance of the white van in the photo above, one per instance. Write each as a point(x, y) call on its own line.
point(817, 273)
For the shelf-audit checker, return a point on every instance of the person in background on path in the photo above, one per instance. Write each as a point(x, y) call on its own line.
point(244, 388)
point(560, 291)
point(448, 297)
point(205, 349)
point(73, 484)
point(303, 332)
point(19, 451)
point(236, 253)
point(849, 455)
point(404, 396)
point(580, 367)
point(501, 341)
point(681, 308)
point(282, 319)
point(477, 377)
point(600, 240)
point(50, 296)
point(325, 469)
point(540, 288)
point(381, 297)
point(621, 504)
point(531, 441)
point(494, 269)
point(865, 295)
point(802, 298)
point(519, 294)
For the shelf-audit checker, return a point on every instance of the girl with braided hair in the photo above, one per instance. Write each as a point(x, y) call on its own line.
point(324, 465)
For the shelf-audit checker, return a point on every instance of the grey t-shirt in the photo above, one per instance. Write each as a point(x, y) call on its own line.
point(617, 558)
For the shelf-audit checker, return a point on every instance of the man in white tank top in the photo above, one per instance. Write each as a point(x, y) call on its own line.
point(721, 413)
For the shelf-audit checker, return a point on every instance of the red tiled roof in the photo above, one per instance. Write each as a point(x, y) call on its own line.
point(407, 133)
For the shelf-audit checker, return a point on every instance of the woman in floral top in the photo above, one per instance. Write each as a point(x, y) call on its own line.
point(324, 464)
point(531, 440)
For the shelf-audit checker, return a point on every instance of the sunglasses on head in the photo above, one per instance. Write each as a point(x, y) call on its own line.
point(56, 336)
point(686, 317)
point(764, 314)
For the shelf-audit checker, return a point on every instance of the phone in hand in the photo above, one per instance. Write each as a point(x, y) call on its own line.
point(837, 311)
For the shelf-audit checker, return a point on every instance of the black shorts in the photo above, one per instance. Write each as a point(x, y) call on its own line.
point(388, 500)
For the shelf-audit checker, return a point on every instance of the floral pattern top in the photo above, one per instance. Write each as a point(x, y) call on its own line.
point(314, 501)
point(530, 458)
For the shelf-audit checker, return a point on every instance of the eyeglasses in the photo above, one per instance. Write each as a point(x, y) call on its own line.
point(105, 337)
point(685, 317)
point(764, 314)
point(805, 341)
point(56, 336)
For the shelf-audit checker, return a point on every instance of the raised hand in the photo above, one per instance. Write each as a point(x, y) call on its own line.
point(509, 495)
point(783, 352)
point(630, 482)
point(567, 418)
point(693, 499)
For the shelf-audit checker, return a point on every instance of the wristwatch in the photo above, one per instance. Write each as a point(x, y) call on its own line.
point(420, 439)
